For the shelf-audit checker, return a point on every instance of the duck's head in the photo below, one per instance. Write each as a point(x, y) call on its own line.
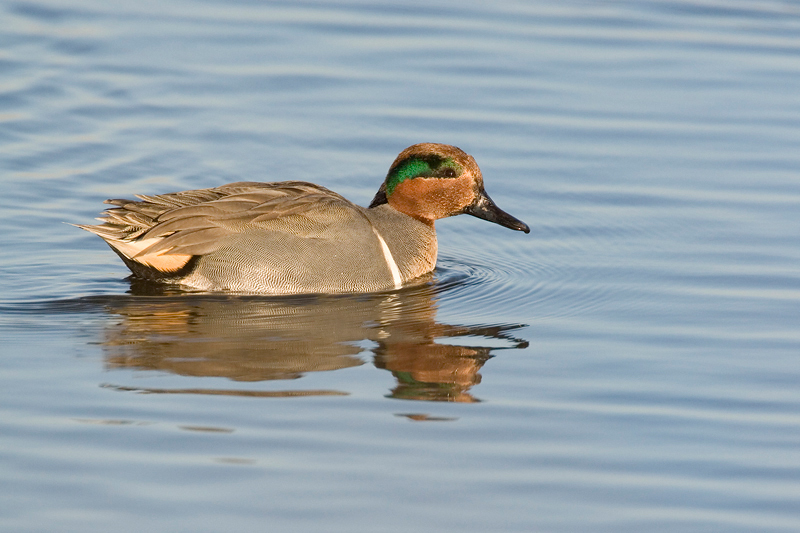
point(430, 181)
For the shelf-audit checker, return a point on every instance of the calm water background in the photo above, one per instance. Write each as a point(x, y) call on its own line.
point(631, 365)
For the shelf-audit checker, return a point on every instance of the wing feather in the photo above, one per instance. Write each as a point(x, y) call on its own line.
point(191, 223)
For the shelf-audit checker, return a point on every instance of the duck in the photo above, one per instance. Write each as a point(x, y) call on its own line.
point(295, 237)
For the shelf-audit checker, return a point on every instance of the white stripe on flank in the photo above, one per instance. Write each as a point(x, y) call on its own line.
point(398, 281)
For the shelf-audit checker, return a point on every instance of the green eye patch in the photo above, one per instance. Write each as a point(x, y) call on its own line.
point(431, 166)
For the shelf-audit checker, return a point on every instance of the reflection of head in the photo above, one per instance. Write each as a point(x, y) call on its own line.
point(434, 372)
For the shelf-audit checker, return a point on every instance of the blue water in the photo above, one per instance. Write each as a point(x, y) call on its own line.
point(631, 365)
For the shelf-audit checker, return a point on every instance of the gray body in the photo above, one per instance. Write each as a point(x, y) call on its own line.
point(274, 238)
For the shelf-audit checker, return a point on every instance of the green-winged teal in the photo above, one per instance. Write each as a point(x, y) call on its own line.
point(295, 237)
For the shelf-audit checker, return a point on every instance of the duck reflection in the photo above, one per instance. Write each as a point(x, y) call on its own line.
point(249, 339)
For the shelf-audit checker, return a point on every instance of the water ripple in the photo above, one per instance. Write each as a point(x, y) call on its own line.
point(652, 147)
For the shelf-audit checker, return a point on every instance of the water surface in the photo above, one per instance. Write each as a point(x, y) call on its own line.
point(631, 365)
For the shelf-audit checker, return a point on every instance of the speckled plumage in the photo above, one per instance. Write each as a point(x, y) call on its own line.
point(295, 237)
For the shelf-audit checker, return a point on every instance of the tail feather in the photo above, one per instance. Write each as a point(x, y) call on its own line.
point(127, 246)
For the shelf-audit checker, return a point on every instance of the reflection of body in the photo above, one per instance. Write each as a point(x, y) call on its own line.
point(256, 339)
point(296, 237)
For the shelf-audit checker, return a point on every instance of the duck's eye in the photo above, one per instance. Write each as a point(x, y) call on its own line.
point(448, 172)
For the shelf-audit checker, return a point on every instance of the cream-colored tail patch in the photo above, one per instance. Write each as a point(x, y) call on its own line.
point(163, 261)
